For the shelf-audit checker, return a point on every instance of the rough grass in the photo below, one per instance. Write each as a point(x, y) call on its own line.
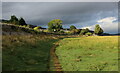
point(26, 53)
point(98, 53)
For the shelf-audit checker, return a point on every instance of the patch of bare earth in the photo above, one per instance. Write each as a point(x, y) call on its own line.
point(57, 64)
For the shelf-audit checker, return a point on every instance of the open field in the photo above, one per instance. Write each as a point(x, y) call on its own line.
point(26, 53)
point(29, 52)
point(95, 53)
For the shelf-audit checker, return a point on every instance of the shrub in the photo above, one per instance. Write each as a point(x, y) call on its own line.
point(62, 31)
point(37, 28)
point(75, 31)
point(84, 31)
point(68, 32)
point(72, 27)
point(45, 30)
point(88, 34)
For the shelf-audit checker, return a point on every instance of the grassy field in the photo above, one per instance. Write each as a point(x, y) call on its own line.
point(95, 53)
point(26, 53)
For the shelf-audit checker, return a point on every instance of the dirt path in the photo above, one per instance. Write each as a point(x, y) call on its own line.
point(57, 64)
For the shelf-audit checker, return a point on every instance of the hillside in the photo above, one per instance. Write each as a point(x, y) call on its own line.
point(9, 29)
point(23, 50)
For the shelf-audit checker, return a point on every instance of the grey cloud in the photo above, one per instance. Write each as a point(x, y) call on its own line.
point(86, 13)
point(0, 10)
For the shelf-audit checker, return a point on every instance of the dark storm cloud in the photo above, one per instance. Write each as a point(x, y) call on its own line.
point(70, 13)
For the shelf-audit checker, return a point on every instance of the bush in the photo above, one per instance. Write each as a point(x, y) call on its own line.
point(68, 32)
point(72, 27)
point(84, 31)
point(23, 26)
point(62, 31)
point(37, 28)
point(46, 30)
point(88, 34)
point(75, 31)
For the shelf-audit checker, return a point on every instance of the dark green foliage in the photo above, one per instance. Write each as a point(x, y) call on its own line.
point(75, 31)
point(31, 26)
point(4, 21)
point(13, 20)
point(84, 31)
point(51, 27)
point(55, 25)
point(72, 27)
point(88, 33)
point(61, 31)
point(98, 30)
point(22, 22)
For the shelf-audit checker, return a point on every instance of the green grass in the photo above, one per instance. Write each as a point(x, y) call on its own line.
point(26, 53)
point(98, 53)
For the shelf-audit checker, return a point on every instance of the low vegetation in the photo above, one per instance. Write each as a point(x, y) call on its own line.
point(26, 53)
point(98, 53)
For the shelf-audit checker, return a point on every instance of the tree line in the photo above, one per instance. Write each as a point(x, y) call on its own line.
point(16, 21)
point(55, 26)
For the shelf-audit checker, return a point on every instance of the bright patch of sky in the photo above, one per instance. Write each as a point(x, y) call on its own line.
point(107, 24)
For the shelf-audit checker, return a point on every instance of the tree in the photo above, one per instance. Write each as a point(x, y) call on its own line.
point(21, 22)
point(84, 31)
point(98, 30)
point(87, 30)
point(51, 27)
point(55, 25)
point(72, 27)
point(13, 20)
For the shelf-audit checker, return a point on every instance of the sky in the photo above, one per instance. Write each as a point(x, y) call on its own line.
point(79, 14)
